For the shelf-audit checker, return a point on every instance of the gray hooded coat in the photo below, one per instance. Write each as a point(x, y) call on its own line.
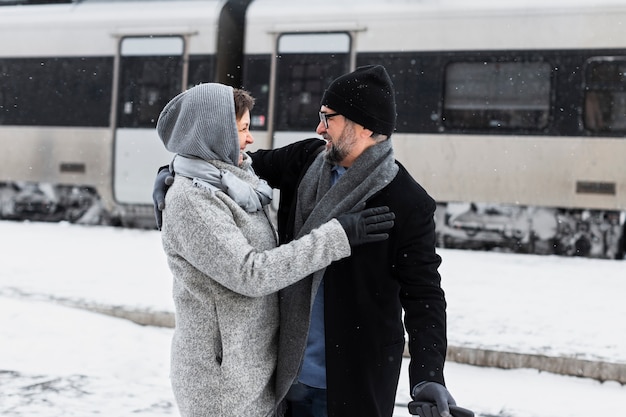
point(226, 266)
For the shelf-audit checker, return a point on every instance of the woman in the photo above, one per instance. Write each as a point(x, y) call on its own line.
point(222, 250)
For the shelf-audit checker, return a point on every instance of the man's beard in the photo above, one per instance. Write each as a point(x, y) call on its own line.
point(341, 148)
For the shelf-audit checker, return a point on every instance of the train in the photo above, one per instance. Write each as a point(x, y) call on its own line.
point(511, 114)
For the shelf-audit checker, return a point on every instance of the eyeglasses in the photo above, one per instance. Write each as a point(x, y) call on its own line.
point(325, 116)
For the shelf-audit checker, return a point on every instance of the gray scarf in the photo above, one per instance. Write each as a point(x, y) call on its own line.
point(240, 183)
point(318, 202)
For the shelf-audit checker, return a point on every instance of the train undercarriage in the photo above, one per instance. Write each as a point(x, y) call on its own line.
point(520, 229)
point(544, 231)
point(70, 203)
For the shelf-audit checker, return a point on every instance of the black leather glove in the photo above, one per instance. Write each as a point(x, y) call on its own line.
point(426, 409)
point(365, 226)
point(162, 182)
point(432, 399)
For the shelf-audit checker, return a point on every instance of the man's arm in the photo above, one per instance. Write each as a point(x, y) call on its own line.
point(421, 295)
point(283, 168)
point(424, 304)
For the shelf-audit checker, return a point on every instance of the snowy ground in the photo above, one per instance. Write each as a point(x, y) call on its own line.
point(61, 361)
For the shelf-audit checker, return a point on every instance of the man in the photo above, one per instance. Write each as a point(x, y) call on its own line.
point(341, 337)
point(351, 352)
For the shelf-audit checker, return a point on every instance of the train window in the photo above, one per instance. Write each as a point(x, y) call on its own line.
point(605, 95)
point(150, 75)
point(497, 95)
point(201, 69)
point(256, 80)
point(56, 91)
point(314, 43)
point(306, 64)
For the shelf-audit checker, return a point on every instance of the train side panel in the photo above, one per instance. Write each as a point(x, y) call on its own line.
point(495, 107)
point(82, 87)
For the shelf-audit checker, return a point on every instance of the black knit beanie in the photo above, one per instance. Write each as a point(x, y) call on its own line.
point(365, 96)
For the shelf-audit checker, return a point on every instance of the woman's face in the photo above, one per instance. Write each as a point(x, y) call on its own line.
point(245, 137)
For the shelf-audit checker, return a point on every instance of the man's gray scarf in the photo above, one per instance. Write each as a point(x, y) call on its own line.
point(318, 202)
point(241, 184)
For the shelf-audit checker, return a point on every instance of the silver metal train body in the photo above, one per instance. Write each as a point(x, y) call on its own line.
point(511, 114)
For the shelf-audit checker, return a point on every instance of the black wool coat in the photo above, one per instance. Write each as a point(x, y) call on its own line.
point(365, 296)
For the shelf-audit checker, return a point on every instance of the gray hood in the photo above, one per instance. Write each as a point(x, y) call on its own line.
point(201, 123)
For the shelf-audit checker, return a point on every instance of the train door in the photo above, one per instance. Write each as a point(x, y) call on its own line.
point(305, 64)
point(150, 73)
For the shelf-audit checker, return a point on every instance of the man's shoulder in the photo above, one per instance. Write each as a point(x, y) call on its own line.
point(307, 148)
point(406, 191)
point(405, 180)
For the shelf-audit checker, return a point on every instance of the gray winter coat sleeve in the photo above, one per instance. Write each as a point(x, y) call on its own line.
point(207, 232)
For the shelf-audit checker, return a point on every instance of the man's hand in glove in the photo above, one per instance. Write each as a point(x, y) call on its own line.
point(432, 399)
point(162, 183)
point(366, 226)
point(425, 409)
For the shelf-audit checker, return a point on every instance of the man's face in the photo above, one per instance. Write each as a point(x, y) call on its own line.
point(339, 148)
point(340, 137)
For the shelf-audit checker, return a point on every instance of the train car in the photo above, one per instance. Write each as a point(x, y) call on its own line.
point(511, 114)
point(81, 87)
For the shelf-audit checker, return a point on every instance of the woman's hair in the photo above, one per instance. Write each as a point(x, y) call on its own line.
point(243, 101)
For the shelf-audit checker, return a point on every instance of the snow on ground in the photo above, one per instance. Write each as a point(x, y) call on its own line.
point(61, 361)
